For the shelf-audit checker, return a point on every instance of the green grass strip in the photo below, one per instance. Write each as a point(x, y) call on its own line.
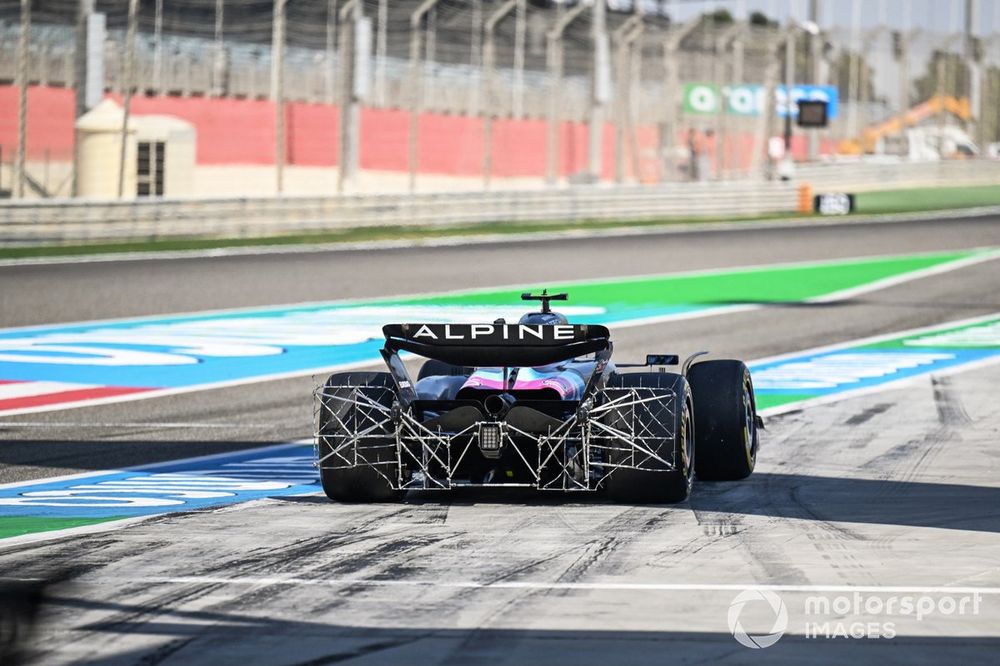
point(927, 199)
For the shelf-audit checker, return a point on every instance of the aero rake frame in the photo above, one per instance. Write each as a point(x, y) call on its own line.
point(355, 427)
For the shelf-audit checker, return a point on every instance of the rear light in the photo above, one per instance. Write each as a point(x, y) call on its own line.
point(490, 436)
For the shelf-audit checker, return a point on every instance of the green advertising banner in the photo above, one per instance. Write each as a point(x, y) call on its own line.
point(748, 99)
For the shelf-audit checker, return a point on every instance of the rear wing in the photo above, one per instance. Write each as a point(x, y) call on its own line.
point(497, 345)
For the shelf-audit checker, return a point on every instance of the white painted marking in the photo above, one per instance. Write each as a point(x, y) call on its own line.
point(978, 336)
point(897, 383)
point(272, 448)
point(838, 369)
point(544, 585)
point(131, 424)
point(32, 389)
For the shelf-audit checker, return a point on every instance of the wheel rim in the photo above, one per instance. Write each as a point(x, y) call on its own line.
point(749, 422)
point(687, 436)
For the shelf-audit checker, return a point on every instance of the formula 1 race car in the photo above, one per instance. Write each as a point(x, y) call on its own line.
point(535, 404)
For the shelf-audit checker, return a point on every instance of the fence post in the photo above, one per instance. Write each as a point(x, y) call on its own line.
point(672, 94)
point(350, 18)
point(127, 84)
point(554, 58)
point(22, 98)
point(278, 91)
point(158, 47)
point(520, 27)
point(624, 38)
point(381, 52)
point(219, 60)
point(417, 83)
point(599, 90)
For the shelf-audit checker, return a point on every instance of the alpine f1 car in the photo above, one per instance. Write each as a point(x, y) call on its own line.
point(534, 404)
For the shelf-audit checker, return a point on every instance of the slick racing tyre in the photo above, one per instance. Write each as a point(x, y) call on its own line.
point(667, 428)
point(725, 417)
point(364, 482)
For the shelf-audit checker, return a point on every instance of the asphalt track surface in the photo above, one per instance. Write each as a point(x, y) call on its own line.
point(893, 490)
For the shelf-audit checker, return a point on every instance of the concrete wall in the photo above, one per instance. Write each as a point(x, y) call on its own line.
point(236, 143)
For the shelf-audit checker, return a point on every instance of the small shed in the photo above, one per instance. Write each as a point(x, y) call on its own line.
point(159, 154)
point(98, 152)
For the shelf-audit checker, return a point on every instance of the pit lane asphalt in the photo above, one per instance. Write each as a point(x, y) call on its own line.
point(895, 489)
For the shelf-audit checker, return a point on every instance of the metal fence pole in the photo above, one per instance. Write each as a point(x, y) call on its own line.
point(672, 95)
point(739, 46)
point(350, 17)
point(635, 80)
point(520, 27)
point(476, 55)
point(853, 69)
point(219, 61)
point(864, 80)
point(381, 52)
point(722, 78)
point(972, 58)
point(81, 60)
point(331, 45)
point(158, 48)
point(84, 9)
point(278, 92)
point(554, 59)
point(128, 84)
point(623, 38)
point(20, 176)
point(789, 83)
point(815, 50)
point(417, 83)
point(599, 91)
point(488, 109)
point(764, 120)
point(430, 53)
point(489, 67)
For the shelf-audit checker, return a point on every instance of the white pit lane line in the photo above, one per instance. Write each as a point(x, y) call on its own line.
point(291, 581)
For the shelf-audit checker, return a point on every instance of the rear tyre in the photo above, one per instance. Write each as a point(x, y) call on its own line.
point(725, 417)
point(362, 483)
point(672, 437)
